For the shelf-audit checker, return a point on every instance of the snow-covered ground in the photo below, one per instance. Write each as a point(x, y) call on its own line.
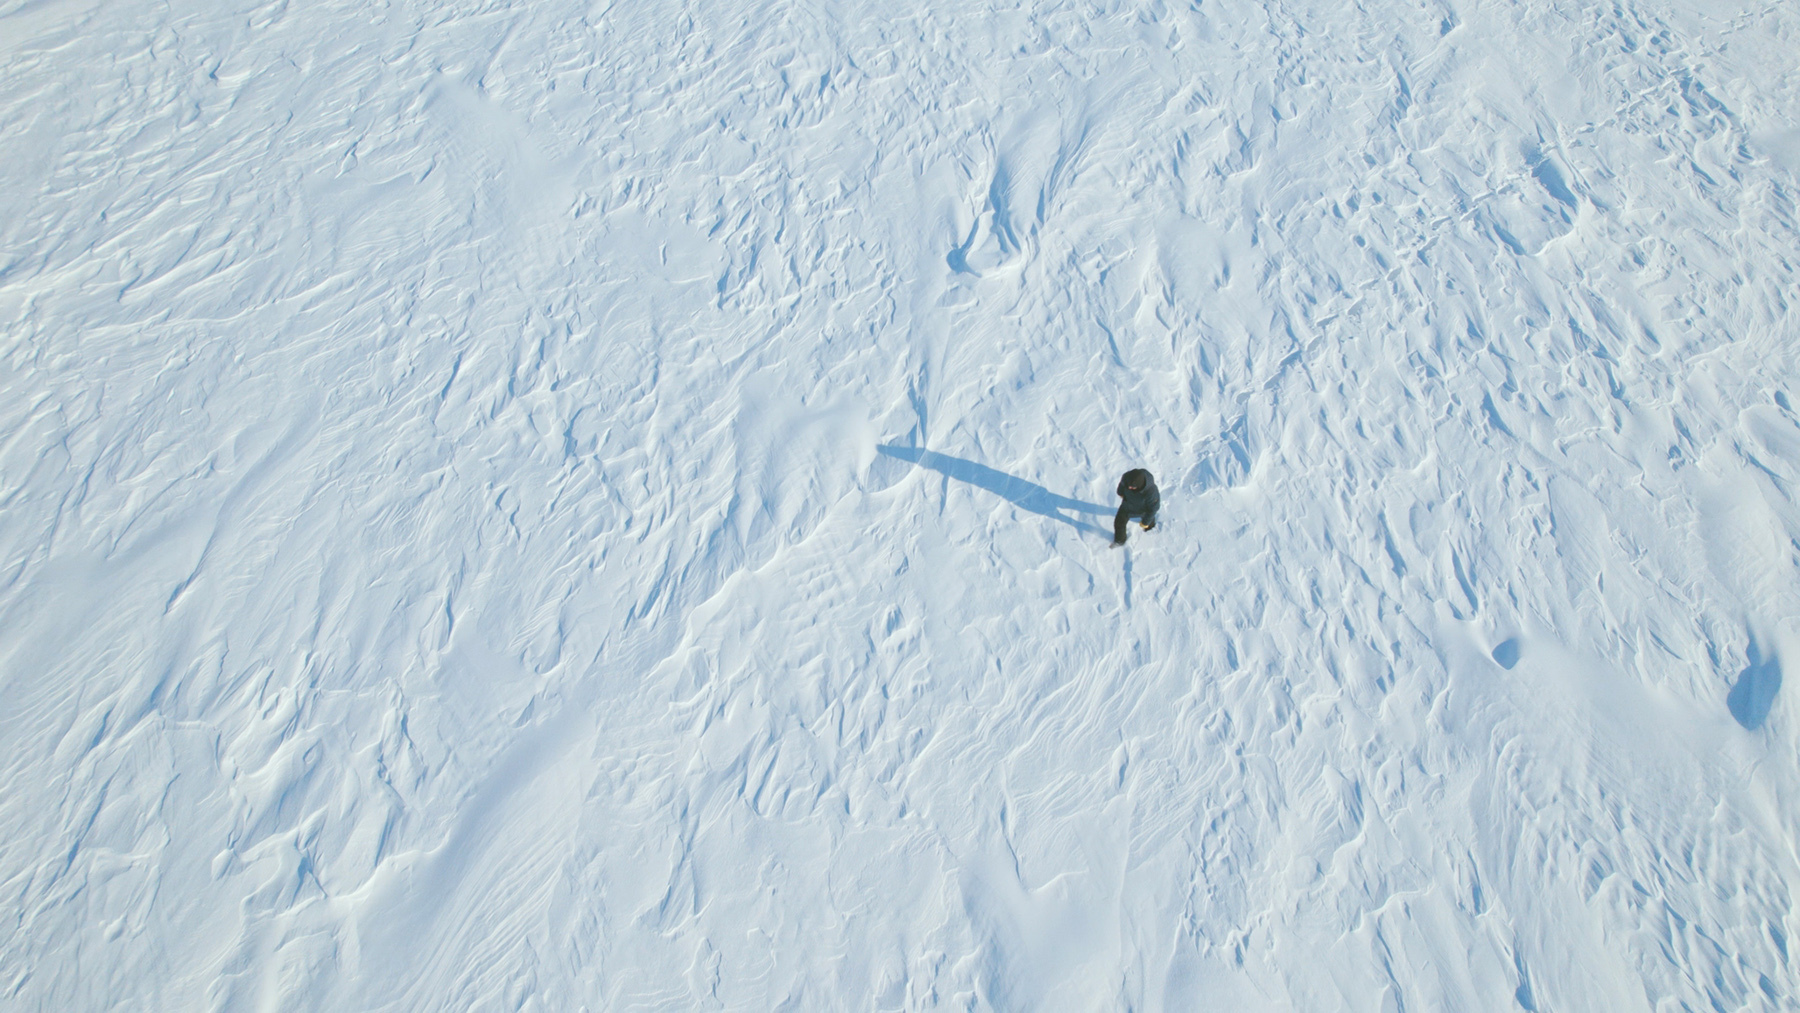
point(557, 506)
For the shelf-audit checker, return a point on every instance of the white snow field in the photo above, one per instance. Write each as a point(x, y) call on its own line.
point(576, 506)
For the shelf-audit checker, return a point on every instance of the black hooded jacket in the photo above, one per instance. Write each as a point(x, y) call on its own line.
point(1142, 502)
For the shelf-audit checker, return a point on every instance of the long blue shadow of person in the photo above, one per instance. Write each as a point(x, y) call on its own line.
point(1026, 495)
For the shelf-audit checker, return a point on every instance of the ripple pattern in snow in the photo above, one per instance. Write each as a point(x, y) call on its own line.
point(567, 506)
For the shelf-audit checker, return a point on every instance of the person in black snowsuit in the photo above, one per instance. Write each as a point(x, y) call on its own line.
point(1141, 500)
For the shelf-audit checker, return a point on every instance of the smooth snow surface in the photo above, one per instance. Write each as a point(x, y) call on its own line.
point(557, 506)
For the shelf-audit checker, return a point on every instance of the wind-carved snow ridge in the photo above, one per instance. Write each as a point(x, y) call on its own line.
point(547, 507)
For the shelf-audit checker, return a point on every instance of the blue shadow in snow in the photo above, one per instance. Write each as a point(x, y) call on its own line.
point(1025, 495)
point(1754, 692)
point(1506, 653)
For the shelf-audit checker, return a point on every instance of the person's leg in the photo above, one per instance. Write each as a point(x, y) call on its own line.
point(1119, 520)
point(1149, 521)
